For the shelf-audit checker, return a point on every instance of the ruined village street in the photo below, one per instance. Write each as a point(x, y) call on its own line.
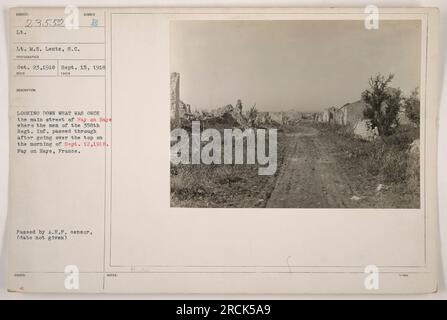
point(319, 166)
point(311, 176)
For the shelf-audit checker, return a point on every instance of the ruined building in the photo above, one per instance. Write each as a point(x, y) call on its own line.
point(175, 98)
point(352, 113)
point(179, 109)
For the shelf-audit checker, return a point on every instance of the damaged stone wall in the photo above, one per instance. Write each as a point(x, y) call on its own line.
point(175, 97)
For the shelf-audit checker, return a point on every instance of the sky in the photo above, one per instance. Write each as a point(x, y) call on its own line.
point(290, 65)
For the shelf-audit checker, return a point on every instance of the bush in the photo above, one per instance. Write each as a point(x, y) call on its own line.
point(412, 107)
point(402, 137)
point(383, 104)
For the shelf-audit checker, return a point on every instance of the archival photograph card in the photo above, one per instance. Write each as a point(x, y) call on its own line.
point(236, 150)
point(317, 94)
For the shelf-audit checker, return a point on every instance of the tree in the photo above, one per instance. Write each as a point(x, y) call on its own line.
point(412, 107)
point(383, 104)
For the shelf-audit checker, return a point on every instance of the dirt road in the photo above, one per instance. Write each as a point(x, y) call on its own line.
point(310, 175)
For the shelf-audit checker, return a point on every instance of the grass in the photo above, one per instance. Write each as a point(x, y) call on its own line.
point(215, 186)
point(221, 185)
point(386, 161)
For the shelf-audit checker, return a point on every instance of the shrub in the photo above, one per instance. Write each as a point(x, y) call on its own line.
point(412, 107)
point(383, 104)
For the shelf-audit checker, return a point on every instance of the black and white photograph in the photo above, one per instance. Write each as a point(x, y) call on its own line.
point(305, 155)
point(295, 114)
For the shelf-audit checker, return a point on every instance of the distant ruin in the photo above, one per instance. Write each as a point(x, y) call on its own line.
point(350, 115)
